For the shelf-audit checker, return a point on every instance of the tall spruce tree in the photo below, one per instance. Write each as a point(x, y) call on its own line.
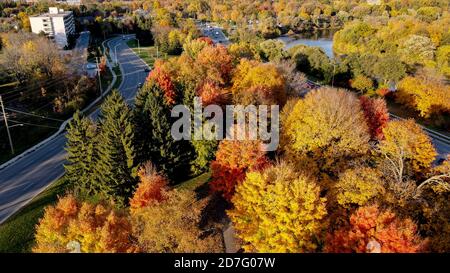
point(153, 135)
point(81, 154)
point(203, 150)
point(116, 169)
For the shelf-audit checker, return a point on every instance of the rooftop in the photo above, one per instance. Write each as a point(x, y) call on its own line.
point(54, 12)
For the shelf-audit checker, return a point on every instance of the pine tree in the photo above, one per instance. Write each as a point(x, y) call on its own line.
point(153, 135)
point(81, 152)
point(116, 168)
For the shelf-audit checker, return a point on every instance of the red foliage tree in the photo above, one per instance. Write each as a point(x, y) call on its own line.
point(376, 114)
point(162, 78)
point(150, 189)
point(234, 158)
point(370, 227)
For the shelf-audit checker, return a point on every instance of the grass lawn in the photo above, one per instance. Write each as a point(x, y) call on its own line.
point(118, 73)
point(17, 233)
point(147, 53)
point(195, 182)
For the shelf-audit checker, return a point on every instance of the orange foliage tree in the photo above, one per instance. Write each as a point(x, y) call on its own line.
point(214, 64)
point(150, 189)
point(376, 114)
point(211, 93)
point(233, 159)
point(372, 230)
point(161, 76)
point(96, 227)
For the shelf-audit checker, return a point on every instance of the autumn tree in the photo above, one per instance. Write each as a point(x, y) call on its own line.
point(116, 168)
point(362, 83)
point(96, 227)
point(234, 158)
point(162, 78)
point(296, 82)
point(81, 154)
point(272, 50)
point(258, 83)
point(417, 49)
point(172, 226)
point(193, 47)
point(242, 50)
point(373, 230)
point(27, 56)
point(358, 186)
point(211, 93)
point(214, 63)
point(278, 210)
point(151, 188)
point(325, 131)
point(425, 92)
point(313, 60)
point(433, 194)
point(376, 114)
point(406, 150)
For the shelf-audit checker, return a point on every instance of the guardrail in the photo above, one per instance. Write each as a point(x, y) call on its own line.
point(436, 135)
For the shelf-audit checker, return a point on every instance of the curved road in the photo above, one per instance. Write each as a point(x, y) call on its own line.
point(21, 181)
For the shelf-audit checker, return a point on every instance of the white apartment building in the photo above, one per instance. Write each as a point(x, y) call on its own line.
point(56, 24)
point(69, 2)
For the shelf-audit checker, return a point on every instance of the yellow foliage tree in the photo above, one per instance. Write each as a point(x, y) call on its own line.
point(425, 93)
point(258, 83)
point(278, 210)
point(324, 131)
point(358, 186)
point(406, 148)
point(172, 226)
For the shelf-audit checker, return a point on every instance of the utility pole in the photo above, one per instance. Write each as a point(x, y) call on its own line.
point(334, 71)
point(7, 127)
point(99, 79)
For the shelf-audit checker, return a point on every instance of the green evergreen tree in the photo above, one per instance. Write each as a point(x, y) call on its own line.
point(81, 154)
point(153, 137)
point(203, 150)
point(116, 167)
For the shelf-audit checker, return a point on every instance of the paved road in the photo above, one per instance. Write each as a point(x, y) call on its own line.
point(30, 175)
point(80, 53)
point(215, 33)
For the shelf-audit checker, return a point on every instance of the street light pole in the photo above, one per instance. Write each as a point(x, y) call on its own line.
point(7, 127)
point(139, 47)
point(115, 53)
point(99, 79)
